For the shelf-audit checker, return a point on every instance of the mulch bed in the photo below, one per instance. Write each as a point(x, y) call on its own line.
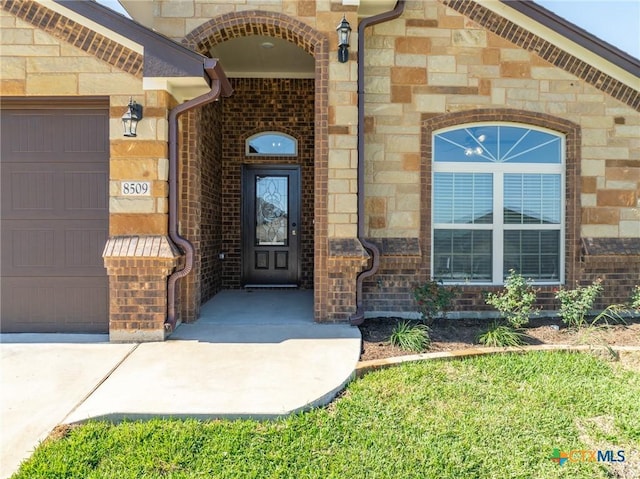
point(456, 334)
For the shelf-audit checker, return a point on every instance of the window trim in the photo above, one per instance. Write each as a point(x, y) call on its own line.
point(498, 227)
point(247, 146)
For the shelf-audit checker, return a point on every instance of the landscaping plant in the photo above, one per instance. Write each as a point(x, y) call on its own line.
point(635, 298)
point(515, 303)
point(411, 337)
point(576, 304)
point(433, 299)
point(501, 335)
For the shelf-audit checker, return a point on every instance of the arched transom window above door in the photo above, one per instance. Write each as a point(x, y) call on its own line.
point(498, 203)
point(271, 143)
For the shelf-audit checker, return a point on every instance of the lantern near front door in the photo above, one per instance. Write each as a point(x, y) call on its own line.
point(344, 32)
point(131, 118)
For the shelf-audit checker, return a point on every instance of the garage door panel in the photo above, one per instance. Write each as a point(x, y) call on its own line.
point(33, 249)
point(58, 304)
point(85, 133)
point(86, 192)
point(27, 190)
point(28, 132)
point(66, 190)
point(83, 250)
point(32, 134)
point(55, 210)
point(55, 248)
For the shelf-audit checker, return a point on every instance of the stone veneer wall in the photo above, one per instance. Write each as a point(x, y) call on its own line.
point(436, 67)
point(434, 61)
point(257, 105)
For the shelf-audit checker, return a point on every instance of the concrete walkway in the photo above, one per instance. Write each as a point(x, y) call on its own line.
point(251, 354)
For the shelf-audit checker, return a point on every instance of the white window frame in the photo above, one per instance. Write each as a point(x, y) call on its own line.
point(247, 145)
point(498, 227)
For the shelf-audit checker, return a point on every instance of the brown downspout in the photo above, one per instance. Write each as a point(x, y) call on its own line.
point(358, 317)
point(219, 83)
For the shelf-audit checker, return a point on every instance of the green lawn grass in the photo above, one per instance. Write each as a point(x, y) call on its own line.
point(486, 417)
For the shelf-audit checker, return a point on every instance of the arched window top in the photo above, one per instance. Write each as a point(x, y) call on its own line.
point(271, 143)
point(497, 143)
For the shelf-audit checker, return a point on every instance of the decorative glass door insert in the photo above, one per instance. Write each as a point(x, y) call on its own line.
point(272, 210)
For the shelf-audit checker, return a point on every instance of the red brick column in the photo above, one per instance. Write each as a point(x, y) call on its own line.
point(138, 267)
point(347, 258)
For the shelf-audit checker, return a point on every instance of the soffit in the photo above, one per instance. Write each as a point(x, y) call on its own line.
point(259, 56)
point(369, 8)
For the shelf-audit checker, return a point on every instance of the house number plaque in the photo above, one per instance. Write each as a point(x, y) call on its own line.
point(136, 188)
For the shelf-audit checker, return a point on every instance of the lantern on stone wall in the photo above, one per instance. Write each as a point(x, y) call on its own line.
point(131, 118)
point(344, 32)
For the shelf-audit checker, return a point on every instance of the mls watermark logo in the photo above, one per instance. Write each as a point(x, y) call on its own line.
point(584, 455)
point(559, 457)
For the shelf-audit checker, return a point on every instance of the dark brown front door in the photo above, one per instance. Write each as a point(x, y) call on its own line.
point(55, 217)
point(271, 226)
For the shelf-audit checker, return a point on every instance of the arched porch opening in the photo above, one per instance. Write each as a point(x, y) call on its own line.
point(214, 162)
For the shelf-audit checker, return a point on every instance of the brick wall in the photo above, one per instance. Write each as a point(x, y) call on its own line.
point(227, 24)
point(210, 149)
point(257, 105)
point(200, 204)
point(138, 267)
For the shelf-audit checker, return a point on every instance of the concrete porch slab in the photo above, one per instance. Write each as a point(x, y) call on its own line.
point(251, 354)
point(254, 355)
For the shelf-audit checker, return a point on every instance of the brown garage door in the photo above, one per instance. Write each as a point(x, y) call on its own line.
point(54, 202)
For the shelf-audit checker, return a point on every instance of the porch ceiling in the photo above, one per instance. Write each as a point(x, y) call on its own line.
point(259, 56)
point(368, 8)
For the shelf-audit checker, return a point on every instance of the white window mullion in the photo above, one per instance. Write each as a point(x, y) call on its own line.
point(498, 226)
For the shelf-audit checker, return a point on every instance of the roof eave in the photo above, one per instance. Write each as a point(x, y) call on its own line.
point(163, 58)
point(577, 35)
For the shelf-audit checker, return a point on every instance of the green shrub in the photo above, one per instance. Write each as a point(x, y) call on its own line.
point(434, 298)
point(576, 304)
point(611, 314)
point(410, 337)
point(501, 335)
point(515, 302)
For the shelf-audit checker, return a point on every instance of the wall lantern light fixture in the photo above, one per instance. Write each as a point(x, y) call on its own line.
point(344, 32)
point(131, 118)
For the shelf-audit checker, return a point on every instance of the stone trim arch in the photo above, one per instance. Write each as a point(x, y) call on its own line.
point(257, 22)
point(573, 141)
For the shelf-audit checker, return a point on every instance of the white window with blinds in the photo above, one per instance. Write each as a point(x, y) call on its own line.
point(497, 205)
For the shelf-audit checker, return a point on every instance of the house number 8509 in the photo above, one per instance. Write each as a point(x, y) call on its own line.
point(136, 188)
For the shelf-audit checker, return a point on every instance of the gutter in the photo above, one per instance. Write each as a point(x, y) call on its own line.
point(358, 317)
point(219, 85)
